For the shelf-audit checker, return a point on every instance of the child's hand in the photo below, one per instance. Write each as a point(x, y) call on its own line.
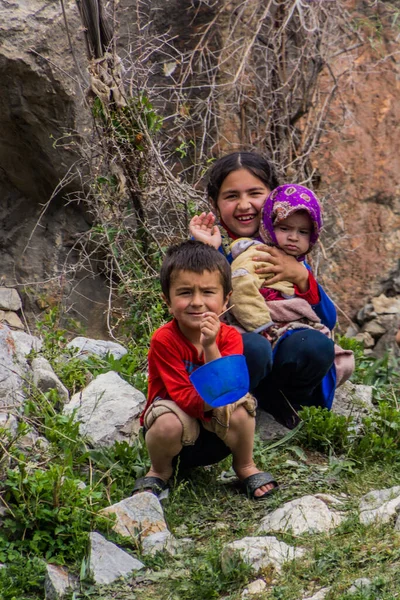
point(209, 328)
point(281, 267)
point(203, 229)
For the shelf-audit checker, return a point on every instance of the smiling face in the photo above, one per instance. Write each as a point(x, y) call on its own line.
point(293, 234)
point(239, 202)
point(192, 294)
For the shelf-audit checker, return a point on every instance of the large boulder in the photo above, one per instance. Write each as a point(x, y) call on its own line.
point(108, 410)
point(43, 113)
point(14, 347)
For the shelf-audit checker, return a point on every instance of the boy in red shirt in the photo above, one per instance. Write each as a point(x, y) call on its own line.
point(196, 285)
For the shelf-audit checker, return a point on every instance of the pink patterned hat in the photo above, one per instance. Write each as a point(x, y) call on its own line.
point(282, 202)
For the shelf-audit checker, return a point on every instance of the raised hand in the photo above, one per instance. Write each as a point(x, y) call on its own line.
point(202, 228)
point(209, 328)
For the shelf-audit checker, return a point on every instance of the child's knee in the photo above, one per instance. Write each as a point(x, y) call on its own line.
point(239, 418)
point(166, 427)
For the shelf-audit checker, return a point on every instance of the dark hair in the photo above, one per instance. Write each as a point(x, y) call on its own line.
point(197, 257)
point(258, 166)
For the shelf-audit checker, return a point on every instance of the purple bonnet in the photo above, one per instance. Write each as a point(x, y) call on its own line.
point(282, 202)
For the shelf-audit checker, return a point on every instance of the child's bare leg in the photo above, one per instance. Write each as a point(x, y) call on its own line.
point(240, 439)
point(163, 441)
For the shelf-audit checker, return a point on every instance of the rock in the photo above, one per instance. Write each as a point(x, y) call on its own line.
point(9, 422)
point(267, 428)
point(164, 541)
point(352, 331)
point(384, 305)
point(107, 562)
point(86, 346)
point(397, 524)
point(374, 328)
point(9, 299)
point(387, 342)
point(380, 506)
point(360, 585)
point(137, 517)
point(32, 440)
point(259, 553)
point(14, 346)
point(365, 338)
point(108, 410)
point(320, 595)
point(12, 319)
point(43, 113)
point(23, 345)
point(308, 514)
point(255, 587)
point(366, 313)
point(58, 582)
point(45, 379)
point(353, 400)
point(161, 541)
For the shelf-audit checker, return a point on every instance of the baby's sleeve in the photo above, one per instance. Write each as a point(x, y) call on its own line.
point(250, 308)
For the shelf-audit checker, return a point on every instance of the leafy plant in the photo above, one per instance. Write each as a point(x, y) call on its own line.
point(22, 579)
point(49, 513)
point(324, 430)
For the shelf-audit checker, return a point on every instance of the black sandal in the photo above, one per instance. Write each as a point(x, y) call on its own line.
point(254, 482)
point(155, 485)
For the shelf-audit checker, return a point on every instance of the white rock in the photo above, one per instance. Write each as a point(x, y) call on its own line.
point(9, 299)
point(45, 379)
point(255, 587)
point(107, 562)
point(384, 305)
point(353, 400)
point(164, 541)
point(320, 595)
point(366, 338)
point(374, 328)
point(14, 346)
point(158, 542)
point(352, 331)
point(308, 514)
point(380, 506)
point(139, 516)
point(86, 346)
point(58, 582)
point(259, 553)
point(8, 421)
point(24, 344)
point(12, 319)
point(108, 410)
point(360, 585)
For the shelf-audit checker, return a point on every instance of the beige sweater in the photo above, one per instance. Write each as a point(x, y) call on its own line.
point(251, 310)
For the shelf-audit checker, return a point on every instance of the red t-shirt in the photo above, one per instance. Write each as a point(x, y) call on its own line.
point(171, 360)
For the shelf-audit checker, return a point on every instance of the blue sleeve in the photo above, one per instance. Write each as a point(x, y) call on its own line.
point(228, 257)
point(325, 309)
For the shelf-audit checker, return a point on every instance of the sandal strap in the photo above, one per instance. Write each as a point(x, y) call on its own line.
point(257, 480)
point(155, 484)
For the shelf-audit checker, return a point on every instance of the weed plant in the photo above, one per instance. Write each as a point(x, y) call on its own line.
point(53, 493)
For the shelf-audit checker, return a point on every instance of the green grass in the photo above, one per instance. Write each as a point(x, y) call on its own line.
point(51, 513)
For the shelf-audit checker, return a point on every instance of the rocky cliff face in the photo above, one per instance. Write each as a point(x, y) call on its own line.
point(42, 102)
point(360, 166)
point(41, 106)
